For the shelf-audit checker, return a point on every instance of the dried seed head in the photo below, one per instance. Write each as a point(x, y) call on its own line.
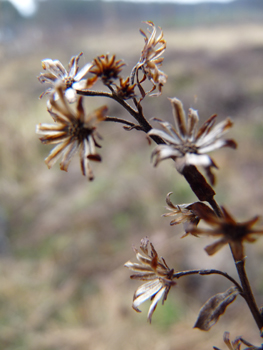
point(107, 68)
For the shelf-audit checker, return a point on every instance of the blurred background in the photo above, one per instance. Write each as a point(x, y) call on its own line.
point(63, 240)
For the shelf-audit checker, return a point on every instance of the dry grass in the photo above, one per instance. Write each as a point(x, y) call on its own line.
point(64, 241)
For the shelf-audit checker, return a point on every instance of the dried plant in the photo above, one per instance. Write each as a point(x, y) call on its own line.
point(185, 143)
point(70, 80)
point(71, 131)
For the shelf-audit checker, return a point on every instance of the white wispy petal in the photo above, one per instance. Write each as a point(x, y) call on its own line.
point(213, 146)
point(163, 135)
point(199, 160)
point(83, 71)
point(155, 301)
point(146, 291)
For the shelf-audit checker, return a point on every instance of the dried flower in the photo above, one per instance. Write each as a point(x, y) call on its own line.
point(107, 68)
point(125, 90)
point(236, 344)
point(185, 213)
point(188, 146)
point(70, 81)
point(232, 232)
point(150, 60)
point(154, 270)
point(71, 131)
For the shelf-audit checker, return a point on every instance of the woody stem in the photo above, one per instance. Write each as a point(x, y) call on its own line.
point(138, 115)
point(248, 294)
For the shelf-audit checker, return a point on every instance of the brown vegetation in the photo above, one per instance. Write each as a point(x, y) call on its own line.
point(63, 241)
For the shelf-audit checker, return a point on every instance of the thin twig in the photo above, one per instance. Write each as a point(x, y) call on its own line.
point(208, 272)
point(122, 121)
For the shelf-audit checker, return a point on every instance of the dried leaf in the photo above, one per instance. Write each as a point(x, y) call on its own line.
point(214, 308)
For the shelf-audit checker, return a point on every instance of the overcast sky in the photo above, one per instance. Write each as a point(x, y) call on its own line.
point(28, 7)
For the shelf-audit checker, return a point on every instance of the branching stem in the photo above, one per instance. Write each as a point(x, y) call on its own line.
point(207, 194)
point(138, 115)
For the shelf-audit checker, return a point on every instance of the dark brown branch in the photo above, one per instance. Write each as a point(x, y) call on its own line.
point(122, 121)
point(208, 272)
point(138, 115)
point(248, 294)
point(216, 208)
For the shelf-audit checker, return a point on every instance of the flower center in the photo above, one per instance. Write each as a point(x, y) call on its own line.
point(188, 147)
point(68, 81)
point(79, 132)
point(235, 232)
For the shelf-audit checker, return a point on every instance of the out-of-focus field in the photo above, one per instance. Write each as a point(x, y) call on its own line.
point(63, 240)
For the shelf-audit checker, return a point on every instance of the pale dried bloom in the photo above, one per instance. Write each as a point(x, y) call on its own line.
point(70, 81)
point(150, 60)
point(231, 232)
point(155, 271)
point(236, 344)
point(188, 145)
point(185, 213)
point(72, 131)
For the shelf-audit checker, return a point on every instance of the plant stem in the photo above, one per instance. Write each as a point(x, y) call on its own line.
point(208, 272)
point(122, 121)
point(216, 207)
point(138, 115)
point(248, 294)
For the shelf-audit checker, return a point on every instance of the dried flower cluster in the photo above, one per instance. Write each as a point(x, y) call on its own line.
point(150, 61)
point(155, 271)
point(185, 143)
point(107, 68)
point(185, 213)
point(236, 344)
point(232, 232)
point(71, 131)
point(69, 81)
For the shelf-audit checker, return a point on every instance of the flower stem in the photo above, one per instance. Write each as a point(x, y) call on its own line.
point(216, 207)
point(248, 294)
point(208, 272)
point(138, 115)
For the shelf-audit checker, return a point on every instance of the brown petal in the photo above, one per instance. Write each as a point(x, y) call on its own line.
point(179, 116)
point(215, 247)
point(206, 127)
